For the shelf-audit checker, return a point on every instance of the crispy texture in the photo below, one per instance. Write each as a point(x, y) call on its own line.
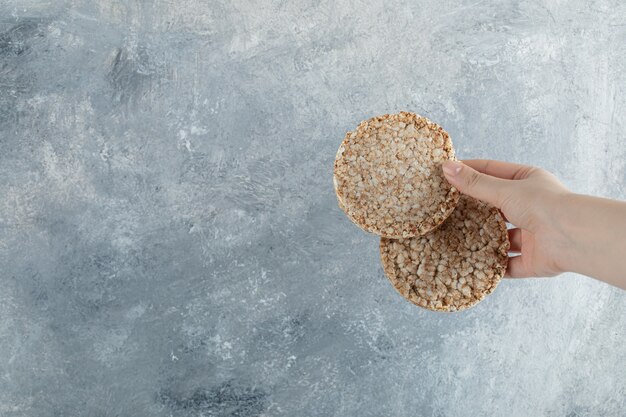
point(388, 176)
point(455, 266)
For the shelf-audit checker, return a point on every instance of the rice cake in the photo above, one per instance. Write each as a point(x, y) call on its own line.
point(388, 177)
point(456, 265)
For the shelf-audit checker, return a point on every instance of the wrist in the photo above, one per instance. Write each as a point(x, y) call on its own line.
point(567, 229)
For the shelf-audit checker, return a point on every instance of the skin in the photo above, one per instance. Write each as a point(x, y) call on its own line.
point(555, 230)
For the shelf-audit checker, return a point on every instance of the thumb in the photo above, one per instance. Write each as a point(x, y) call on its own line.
point(475, 184)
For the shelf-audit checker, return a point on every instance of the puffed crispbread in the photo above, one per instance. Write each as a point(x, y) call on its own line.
point(456, 265)
point(388, 177)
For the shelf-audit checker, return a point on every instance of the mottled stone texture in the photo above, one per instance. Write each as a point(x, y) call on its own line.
point(171, 245)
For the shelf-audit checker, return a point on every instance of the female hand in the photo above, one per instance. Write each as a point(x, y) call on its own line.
point(556, 230)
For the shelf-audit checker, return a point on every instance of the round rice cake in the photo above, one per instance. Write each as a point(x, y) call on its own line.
point(455, 266)
point(388, 175)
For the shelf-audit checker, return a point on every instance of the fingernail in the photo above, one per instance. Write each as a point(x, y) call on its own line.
point(452, 168)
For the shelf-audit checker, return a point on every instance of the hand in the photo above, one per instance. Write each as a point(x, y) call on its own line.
point(557, 230)
point(529, 198)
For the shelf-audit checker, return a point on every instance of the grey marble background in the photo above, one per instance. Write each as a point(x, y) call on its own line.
point(170, 243)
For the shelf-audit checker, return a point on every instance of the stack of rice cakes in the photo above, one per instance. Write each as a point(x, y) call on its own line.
point(441, 250)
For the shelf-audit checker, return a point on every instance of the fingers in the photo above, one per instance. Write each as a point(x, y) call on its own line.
point(515, 239)
point(499, 169)
point(473, 183)
point(516, 268)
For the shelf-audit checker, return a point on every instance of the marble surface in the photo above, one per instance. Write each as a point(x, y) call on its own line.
point(170, 243)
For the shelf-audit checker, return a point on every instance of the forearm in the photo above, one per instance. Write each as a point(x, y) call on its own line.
point(595, 233)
